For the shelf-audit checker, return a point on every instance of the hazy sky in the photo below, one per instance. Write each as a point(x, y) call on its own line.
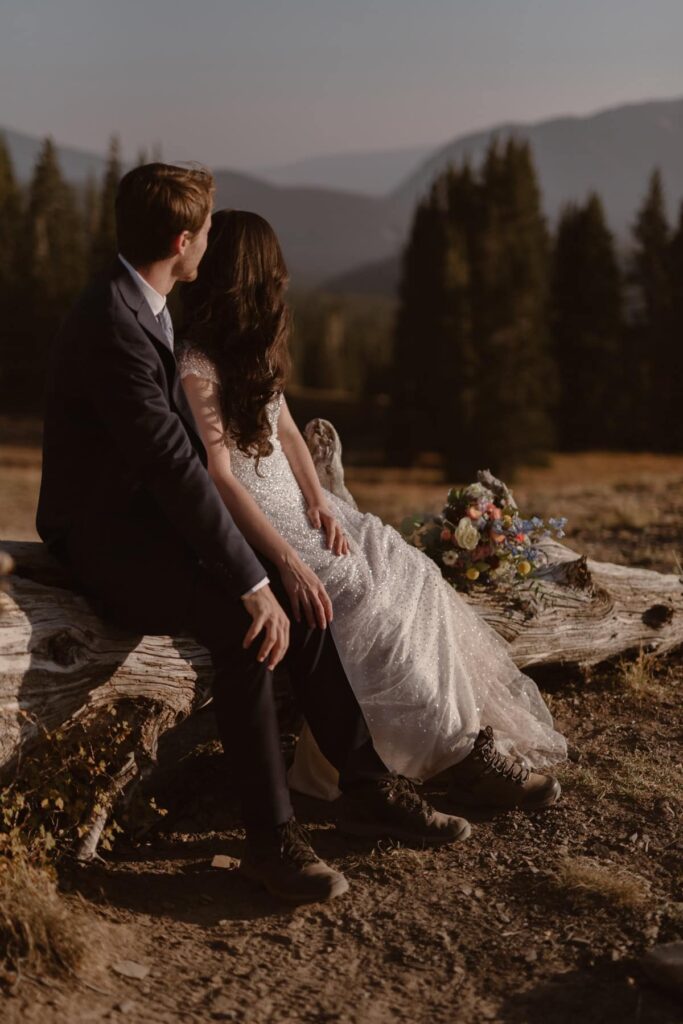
point(244, 83)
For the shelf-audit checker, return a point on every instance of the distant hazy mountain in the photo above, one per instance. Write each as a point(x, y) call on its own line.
point(612, 151)
point(381, 277)
point(351, 241)
point(323, 233)
point(76, 164)
point(374, 173)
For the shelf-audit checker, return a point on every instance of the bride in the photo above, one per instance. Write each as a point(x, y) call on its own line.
point(436, 684)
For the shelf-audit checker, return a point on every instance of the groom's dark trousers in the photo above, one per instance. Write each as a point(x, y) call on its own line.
point(126, 501)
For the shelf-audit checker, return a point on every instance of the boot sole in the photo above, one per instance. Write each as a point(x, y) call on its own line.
point(339, 887)
point(374, 831)
point(465, 800)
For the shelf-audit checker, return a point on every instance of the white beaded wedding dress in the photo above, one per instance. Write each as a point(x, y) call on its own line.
point(426, 669)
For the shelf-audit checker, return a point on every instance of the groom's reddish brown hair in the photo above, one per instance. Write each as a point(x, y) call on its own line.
point(157, 202)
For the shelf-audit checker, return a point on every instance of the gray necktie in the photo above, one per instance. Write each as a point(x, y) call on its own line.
point(166, 324)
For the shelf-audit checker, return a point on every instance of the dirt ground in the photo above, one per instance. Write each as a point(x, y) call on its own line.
point(535, 919)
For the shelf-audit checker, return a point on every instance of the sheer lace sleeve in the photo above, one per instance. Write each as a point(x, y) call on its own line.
point(191, 361)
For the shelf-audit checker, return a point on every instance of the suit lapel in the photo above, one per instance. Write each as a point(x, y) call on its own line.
point(136, 301)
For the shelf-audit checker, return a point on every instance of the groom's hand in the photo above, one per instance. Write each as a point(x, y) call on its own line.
point(268, 615)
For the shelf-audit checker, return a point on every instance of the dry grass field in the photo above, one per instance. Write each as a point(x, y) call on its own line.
point(536, 919)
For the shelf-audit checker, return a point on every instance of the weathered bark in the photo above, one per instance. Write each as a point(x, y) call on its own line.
point(61, 664)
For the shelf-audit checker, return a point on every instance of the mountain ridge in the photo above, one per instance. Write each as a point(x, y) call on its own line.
point(335, 235)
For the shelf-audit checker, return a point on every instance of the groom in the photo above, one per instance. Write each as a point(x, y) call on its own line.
point(127, 503)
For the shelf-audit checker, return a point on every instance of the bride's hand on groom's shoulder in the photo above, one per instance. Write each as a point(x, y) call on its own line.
point(306, 593)
point(320, 517)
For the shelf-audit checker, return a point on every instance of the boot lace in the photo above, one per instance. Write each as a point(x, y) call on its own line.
point(496, 762)
point(294, 844)
point(401, 793)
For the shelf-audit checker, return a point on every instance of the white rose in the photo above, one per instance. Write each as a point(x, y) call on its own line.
point(466, 534)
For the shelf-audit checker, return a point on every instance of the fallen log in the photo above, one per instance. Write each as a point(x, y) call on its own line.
point(61, 665)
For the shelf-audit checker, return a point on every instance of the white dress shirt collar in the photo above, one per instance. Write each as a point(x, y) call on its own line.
point(155, 300)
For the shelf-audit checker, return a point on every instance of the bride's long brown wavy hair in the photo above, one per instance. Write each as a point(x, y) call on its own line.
point(235, 313)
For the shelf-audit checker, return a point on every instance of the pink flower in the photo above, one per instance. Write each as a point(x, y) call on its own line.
point(446, 536)
point(473, 512)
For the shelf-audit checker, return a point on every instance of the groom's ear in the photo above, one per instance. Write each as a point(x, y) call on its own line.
point(180, 243)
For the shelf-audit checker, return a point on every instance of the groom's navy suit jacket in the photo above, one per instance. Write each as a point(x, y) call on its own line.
point(120, 446)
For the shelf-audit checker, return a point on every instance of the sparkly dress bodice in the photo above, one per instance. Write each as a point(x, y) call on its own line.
point(426, 669)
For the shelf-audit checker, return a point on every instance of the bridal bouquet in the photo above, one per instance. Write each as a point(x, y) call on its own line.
point(481, 536)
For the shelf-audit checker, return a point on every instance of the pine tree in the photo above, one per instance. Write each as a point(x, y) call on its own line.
point(423, 334)
point(54, 238)
point(674, 430)
point(588, 329)
point(103, 245)
point(654, 342)
point(91, 209)
point(10, 272)
point(10, 219)
point(517, 382)
point(472, 360)
point(54, 268)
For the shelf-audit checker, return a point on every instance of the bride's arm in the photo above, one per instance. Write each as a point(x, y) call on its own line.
point(304, 589)
point(299, 458)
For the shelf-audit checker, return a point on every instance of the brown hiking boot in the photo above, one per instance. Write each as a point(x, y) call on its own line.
point(486, 778)
point(391, 807)
point(283, 861)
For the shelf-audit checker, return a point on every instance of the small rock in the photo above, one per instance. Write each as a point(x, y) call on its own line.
point(130, 969)
point(222, 946)
point(531, 956)
point(664, 965)
point(664, 809)
point(221, 861)
point(465, 888)
point(126, 1006)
